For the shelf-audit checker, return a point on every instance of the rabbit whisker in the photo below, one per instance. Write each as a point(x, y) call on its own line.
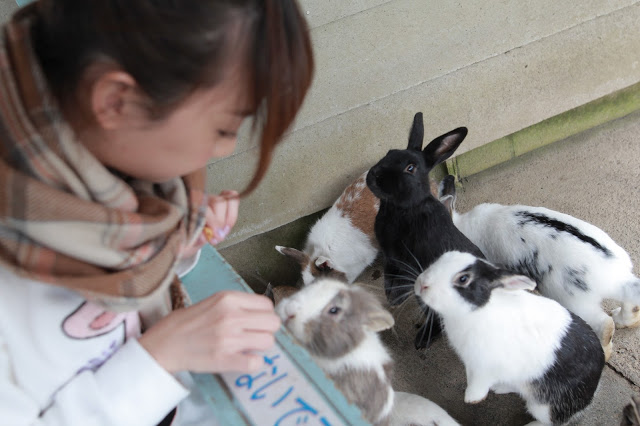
point(402, 278)
point(402, 296)
point(414, 257)
point(409, 267)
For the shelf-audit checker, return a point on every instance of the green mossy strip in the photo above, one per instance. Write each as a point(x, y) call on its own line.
point(559, 127)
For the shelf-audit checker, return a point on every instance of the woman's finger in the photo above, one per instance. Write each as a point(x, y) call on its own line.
point(233, 205)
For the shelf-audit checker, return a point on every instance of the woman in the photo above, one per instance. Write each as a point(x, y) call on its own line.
point(109, 112)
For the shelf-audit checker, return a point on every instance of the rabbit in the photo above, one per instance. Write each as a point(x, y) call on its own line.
point(338, 324)
point(279, 292)
point(511, 340)
point(412, 227)
point(342, 242)
point(572, 261)
point(413, 410)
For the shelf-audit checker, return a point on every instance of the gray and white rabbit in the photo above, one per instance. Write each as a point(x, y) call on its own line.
point(338, 324)
point(511, 340)
point(572, 261)
point(342, 243)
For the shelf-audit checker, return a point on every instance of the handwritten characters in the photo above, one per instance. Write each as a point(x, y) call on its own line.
point(279, 395)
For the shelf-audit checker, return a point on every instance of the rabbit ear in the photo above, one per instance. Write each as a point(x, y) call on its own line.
point(516, 282)
point(443, 146)
point(301, 257)
point(378, 319)
point(416, 136)
point(447, 193)
point(324, 263)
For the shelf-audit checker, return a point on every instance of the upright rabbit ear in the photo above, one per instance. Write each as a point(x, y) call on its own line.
point(443, 146)
point(516, 282)
point(416, 136)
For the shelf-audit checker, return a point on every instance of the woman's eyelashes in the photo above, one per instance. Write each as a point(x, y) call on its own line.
point(227, 134)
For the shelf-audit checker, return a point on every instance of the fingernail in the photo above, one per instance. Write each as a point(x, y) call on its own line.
point(226, 230)
point(208, 233)
point(220, 233)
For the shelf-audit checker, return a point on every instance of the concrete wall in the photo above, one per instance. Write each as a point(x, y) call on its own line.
point(496, 67)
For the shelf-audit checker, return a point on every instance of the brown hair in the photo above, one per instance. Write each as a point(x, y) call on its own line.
point(171, 48)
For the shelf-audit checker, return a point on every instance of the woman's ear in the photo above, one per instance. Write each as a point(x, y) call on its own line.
point(117, 102)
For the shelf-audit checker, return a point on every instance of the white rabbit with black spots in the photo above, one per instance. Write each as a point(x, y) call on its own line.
point(511, 340)
point(572, 261)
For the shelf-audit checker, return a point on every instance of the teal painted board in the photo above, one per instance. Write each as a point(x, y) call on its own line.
point(290, 388)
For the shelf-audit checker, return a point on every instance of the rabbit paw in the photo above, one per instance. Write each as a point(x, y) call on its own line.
point(606, 338)
point(475, 395)
point(628, 315)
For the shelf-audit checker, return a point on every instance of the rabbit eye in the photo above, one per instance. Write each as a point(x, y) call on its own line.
point(411, 169)
point(463, 279)
point(334, 310)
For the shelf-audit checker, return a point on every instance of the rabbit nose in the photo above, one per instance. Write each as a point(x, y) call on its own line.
point(290, 310)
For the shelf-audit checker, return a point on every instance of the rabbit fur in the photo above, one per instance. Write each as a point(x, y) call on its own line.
point(342, 242)
point(511, 340)
point(412, 227)
point(338, 324)
point(572, 261)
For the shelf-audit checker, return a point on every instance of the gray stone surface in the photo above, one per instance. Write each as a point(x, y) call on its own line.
point(594, 176)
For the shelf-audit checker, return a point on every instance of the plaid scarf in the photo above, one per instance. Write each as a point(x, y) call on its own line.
point(67, 220)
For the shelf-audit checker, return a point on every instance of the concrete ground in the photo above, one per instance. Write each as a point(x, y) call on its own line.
point(594, 176)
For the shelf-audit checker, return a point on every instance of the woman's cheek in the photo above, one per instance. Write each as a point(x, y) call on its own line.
point(224, 147)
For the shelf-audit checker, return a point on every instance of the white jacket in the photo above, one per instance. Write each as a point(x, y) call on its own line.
point(65, 361)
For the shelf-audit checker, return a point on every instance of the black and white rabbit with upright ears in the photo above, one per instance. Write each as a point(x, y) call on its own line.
point(572, 261)
point(338, 324)
point(511, 340)
point(412, 227)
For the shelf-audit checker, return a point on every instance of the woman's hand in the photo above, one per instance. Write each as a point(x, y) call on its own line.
point(220, 217)
point(218, 334)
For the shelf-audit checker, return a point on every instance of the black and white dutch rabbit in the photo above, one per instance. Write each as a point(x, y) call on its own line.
point(511, 340)
point(412, 227)
point(338, 324)
point(573, 262)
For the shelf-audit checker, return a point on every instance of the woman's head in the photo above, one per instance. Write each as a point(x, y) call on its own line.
point(168, 68)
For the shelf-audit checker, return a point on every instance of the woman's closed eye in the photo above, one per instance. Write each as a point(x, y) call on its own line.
point(227, 134)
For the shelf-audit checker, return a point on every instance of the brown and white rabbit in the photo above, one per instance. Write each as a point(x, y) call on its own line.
point(572, 261)
point(342, 243)
point(338, 324)
point(511, 340)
